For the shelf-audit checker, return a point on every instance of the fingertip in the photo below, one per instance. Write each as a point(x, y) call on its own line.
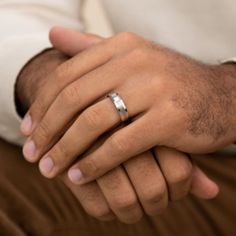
point(29, 151)
point(202, 186)
point(54, 31)
point(26, 125)
point(46, 166)
point(71, 41)
point(75, 176)
point(65, 40)
point(212, 191)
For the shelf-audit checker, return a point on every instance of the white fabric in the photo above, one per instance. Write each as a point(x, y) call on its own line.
point(24, 27)
point(11, 61)
point(232, 60)
point(95, 18)
point(203, 29)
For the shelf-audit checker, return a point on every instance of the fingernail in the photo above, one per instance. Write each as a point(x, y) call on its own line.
point(75, 176)
point(29, 150)
point(26, 125)
point(46, 165)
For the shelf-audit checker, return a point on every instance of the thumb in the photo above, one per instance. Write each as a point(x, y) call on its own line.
point(71, 41)
point(202, 186)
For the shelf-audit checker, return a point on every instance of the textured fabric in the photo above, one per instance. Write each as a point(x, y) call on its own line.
point(24, 27)
point(229, 60)
point(203, 29)
point(33, 205)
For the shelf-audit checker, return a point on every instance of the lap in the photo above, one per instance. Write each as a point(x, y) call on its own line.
point(33, 205)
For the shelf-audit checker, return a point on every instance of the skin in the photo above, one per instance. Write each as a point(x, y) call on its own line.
point(144, 182)
point(190, 107)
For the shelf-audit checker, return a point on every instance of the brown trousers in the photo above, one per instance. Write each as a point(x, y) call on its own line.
point(33, 205)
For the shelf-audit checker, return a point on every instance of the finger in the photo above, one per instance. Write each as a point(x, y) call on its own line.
point(149, 183)
point(202, 186)
point(120, 195)
point(91, 199)
point(92, 123)
point(177, 169)
point(72, 70)
point(71, 41)
point(183, 180)
point(72, 100)
point(118, 148)
point(58, 80)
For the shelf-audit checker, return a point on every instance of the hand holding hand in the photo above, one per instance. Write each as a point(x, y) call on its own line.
point(173, 101)
point(120, 197)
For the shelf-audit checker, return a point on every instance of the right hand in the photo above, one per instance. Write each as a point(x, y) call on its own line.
point(116, 194)
point(143, 184)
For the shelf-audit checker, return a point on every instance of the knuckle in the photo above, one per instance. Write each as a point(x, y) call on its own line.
point(125, 203)
point(91, 117)
point(140, 53)
point(154, 195)
point(181, 175)
point(119, 144)
point(60, 153)
point(98, 212)
point(42, 133)
point(70, 95)
point(128, 37)
point(89, 167)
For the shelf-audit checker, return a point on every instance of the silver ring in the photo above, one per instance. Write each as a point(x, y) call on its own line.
point(119, 105)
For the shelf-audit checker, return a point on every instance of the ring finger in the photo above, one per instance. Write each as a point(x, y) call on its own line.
point(73, 99)
point(91, 124)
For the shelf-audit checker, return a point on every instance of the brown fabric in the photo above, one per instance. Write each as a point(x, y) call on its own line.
point(33, 205)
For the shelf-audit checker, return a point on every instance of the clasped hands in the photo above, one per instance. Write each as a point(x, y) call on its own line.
point(122, 170)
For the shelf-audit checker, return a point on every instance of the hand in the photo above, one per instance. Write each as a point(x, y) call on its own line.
point(152, 186)
point(120, 198)
point(113, 195)
point(170, 97)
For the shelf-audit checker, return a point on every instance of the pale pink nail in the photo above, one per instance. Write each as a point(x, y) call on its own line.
point(75, 176)
point(29, 150)
point(46, 165)
point(26, 125)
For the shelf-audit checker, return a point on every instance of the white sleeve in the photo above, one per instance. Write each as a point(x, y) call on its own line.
point(229, 60)
point(95, 18)
point(24, 27)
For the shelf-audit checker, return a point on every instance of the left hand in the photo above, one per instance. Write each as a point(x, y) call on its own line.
point(127, 191)
point(173, 101)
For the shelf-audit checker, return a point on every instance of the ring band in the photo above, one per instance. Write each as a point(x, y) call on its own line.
point(119, 105)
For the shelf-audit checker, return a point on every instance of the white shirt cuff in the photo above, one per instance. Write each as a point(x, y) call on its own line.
point(229, 60)
point(15, 52)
